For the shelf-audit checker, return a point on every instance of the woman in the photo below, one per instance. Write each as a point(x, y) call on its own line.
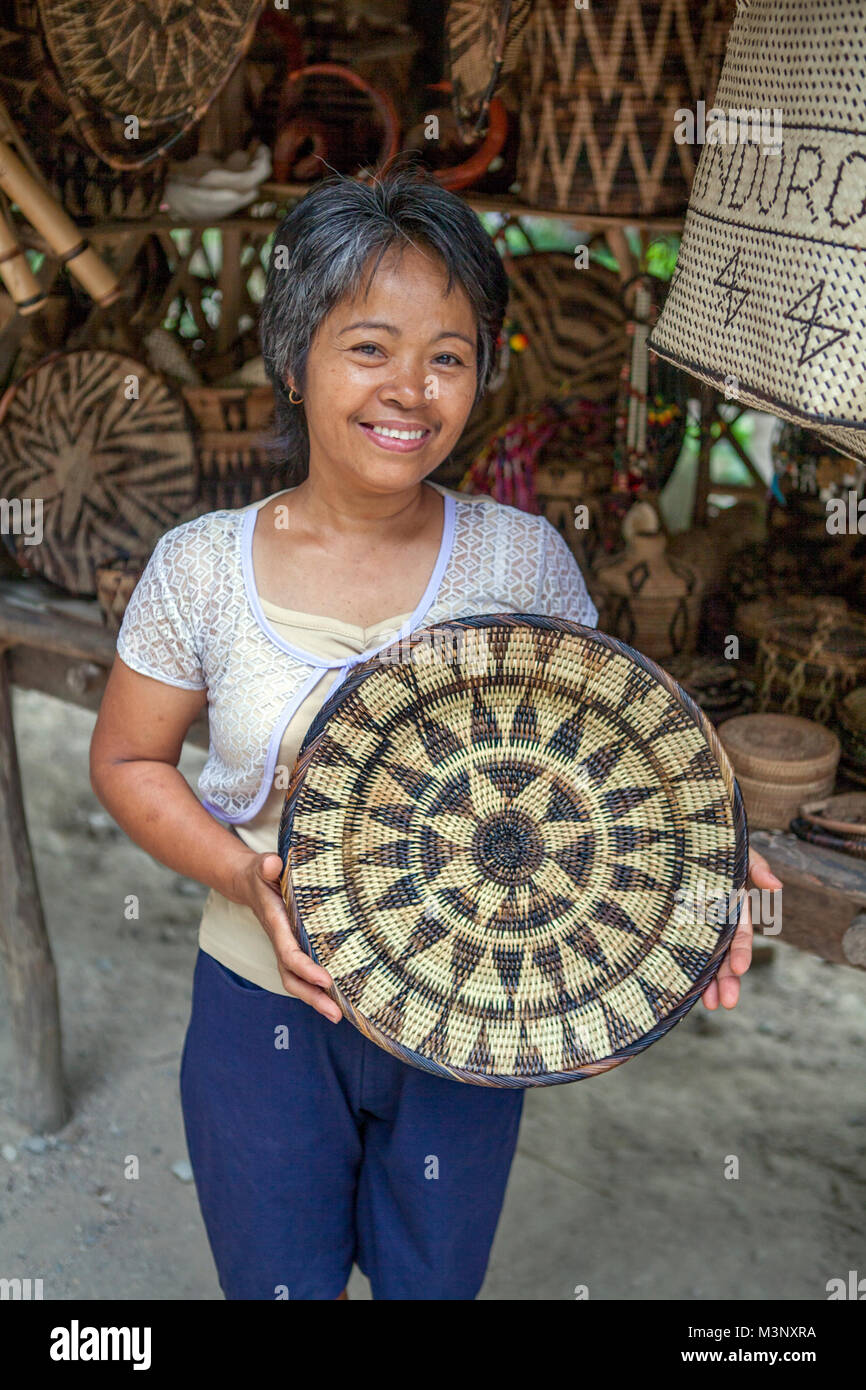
point(311, 1147)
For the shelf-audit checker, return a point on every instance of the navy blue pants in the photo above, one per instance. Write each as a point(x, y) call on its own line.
point(313, 1150)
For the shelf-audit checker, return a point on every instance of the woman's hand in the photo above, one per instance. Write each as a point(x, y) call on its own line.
point(258, 887)
point(725, 986)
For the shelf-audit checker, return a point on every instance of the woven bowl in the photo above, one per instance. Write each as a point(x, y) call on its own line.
point(508, 839)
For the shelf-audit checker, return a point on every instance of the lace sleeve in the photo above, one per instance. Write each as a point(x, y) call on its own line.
point(156, 636)
point(562, 591)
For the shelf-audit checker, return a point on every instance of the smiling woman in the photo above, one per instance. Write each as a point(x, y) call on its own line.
point(328, 251)
point(381, 313)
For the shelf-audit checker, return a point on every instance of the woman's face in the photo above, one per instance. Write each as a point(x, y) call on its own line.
point(391, 376)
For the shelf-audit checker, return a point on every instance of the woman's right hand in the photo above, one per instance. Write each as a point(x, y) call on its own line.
point(258, 887)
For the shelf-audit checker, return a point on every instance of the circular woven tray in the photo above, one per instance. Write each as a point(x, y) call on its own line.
point(501, 838)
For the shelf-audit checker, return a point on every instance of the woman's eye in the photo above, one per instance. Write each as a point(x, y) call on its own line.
point(451, 358)
point(367, 348)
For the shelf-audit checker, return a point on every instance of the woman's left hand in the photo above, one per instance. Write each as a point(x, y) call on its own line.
point(724, 988)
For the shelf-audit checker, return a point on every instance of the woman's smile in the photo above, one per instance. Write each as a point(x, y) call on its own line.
point(396, 435)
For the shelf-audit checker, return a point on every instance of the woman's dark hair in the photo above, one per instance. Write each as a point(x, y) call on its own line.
point(318, 256)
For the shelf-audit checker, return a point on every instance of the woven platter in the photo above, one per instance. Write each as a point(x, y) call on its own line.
point(494, 840)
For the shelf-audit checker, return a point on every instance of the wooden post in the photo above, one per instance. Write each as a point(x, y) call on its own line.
point(40, 1100)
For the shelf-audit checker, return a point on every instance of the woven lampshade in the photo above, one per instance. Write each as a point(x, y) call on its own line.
point(500, 838)
point(768, 300)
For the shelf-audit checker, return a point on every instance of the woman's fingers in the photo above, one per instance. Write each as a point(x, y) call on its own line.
point(310, 994)
point(710, 995)
point(760, 872)
point(740, 950)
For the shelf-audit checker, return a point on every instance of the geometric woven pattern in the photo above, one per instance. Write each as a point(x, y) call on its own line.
point(769, 295)
point(156, 60)
point(503, 852)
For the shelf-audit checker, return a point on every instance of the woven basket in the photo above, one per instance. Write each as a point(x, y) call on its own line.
point(717, 686)
point(770, 289)
point(780, 761)
point(106, 445)
point(772, 805)
point(234, 438)
point(757, 617)
point(810, 661)
point(487, 835)
point(601, 90)
point(87, 188)
point(780, 747)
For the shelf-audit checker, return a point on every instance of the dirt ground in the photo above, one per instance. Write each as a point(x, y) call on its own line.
point(619, 1184)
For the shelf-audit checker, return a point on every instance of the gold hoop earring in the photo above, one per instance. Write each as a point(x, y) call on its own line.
point(292, 396)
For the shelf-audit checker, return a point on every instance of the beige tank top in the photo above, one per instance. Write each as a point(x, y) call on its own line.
point(229, 932)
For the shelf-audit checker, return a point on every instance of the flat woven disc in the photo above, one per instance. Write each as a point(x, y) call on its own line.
point(105, 447)
point(516, 845)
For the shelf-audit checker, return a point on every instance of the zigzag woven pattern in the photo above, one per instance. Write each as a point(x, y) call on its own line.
point(598, 110)
point(496, 851)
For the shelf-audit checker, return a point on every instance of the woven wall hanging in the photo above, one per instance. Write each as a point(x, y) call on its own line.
point(497, 839)
point(160, 63)
point(769, 294)
point(103, 447)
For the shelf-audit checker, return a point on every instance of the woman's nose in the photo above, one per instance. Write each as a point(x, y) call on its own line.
point(406, 385)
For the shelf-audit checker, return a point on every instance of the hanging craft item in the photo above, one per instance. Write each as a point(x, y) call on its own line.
point(80, 181)
point(498, 839)
point(136, 78)
point(769, 295)
point(484, 39)
point(506, 467)
point(332, 122)
point(103, 450)
point(566, 333)
point(646, 597)
point(600, 98)
point(812, 510)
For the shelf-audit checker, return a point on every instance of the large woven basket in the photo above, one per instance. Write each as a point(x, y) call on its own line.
point(650, 600)
point(769, 296)
point(497, 839)
point(756, 618)
point(603, 84)
point(810, 660)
